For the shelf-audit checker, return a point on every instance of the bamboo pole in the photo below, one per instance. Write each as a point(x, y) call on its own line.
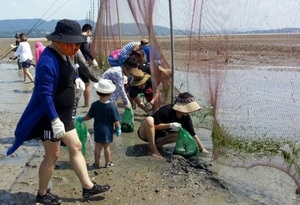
point(172, 49)
point(119, 26)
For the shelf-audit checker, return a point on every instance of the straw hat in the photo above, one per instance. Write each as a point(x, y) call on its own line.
point(185, 102)
point(105, 86)
point(144, 42)
point(139, 77)
point(66, 31)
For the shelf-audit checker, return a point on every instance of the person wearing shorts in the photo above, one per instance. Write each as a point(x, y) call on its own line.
point(48, 115)
point(162, 127)
point(25, 56)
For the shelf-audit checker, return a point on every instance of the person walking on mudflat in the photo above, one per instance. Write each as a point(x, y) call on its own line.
point(48, 115)
point(25, 56)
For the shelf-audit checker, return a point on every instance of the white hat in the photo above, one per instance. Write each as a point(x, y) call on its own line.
point(105, 86)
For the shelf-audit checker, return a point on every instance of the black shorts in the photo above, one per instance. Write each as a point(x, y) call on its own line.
point(158, 134)
point(43, 129)
point(26, 64)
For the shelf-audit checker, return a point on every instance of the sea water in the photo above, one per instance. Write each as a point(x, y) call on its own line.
point(251, 102)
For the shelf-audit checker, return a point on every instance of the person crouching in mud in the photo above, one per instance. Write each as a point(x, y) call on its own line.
point(162, 127)
point(48, 115)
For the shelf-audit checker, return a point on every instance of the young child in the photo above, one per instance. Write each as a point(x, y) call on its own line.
point(106, 118)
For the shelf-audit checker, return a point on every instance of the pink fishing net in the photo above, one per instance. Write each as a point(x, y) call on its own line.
point(244, 76)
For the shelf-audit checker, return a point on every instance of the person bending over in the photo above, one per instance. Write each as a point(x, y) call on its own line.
point(162, 127)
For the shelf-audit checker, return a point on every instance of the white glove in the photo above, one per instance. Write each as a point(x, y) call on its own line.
point(94, 63)
point(175, 126)
point(148, 106)
point(79, 84)
point(58, 129)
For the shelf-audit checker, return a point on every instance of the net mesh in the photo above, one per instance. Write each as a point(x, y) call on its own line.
point(245, 82)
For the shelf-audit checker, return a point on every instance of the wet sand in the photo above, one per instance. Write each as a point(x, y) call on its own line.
point(136, 178)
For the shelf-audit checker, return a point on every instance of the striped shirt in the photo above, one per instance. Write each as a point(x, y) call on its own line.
point(127, 49)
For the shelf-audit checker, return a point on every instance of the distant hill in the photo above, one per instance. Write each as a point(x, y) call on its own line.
point(282, 30)
point(41, 28)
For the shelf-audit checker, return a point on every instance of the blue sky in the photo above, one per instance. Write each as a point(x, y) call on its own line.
point(217, 14)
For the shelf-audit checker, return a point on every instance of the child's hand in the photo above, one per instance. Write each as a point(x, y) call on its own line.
point(79, 118)
point(118, 131)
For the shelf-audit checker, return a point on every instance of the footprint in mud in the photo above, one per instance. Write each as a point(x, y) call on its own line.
point(22, 91)
point(14, 81)
point(137, 150)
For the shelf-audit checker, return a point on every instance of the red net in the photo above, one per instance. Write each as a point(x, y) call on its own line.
point(244, 81)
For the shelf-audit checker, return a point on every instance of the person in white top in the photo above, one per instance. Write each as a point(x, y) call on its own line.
point(25, 56)
point(115, 74)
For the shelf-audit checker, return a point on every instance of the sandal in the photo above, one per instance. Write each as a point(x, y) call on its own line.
point(97, 189)
point(109, 164)
point(96, 166)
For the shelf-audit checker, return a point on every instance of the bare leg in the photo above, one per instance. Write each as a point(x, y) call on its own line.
point(24, 74)
point(28, 74)
point(77, 160)
point(87, 94)
point(160, 142)
point(147, 132)
point(97, 153)
point(52, 150)
point(107, 153)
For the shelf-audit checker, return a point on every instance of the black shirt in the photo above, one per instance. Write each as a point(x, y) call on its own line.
point(166, 114)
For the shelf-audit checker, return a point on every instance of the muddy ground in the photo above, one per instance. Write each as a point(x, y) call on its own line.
point(136, 178)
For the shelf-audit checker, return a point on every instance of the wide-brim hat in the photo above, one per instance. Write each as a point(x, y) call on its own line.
point(187, 105)
point(66, 31)
point(139, 77)
point(105, 86)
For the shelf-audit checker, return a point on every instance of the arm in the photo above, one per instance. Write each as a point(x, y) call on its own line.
point(46, 82)
point(85, 118)
point(117, 124)
point(200, 145)
point(155, 97)
point(85, 49)
point(140, 103)
point(162, 126)
point(188, 125)
point(120, 87)
point(18, 51)
point(84, 69)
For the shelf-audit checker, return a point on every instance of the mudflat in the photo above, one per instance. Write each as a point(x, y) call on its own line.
point(136, 177)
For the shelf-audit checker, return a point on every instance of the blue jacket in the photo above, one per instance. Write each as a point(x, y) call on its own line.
point(41, 101)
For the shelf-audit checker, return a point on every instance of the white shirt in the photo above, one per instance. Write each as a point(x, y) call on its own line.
point(24, 51)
